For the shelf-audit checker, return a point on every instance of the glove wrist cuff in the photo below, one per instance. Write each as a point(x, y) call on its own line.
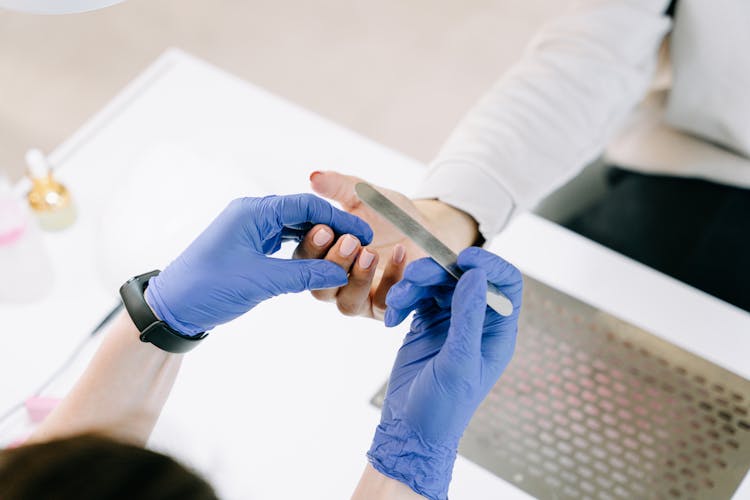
point(154, 300)
point(400, 453)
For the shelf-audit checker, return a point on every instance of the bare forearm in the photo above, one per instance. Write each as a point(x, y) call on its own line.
point(120, 394)
point(454, 227)
point(375, 486)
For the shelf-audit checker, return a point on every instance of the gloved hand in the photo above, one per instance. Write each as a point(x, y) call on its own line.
point(225, 272)
point(456, 350)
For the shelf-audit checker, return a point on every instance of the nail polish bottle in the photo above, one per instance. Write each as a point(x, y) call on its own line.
point(49, 200)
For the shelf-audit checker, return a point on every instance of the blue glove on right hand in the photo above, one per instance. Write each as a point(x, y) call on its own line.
point(455, 352)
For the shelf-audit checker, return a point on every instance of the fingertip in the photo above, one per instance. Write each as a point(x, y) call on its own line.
point(317, 181)
point(322, 235)
point(470, 296)
point(367, 234)
point(327, 183)
point(366, 259)
point(394, 317)
point(343, 222)
point(392, 274)
point(474, 281)
point(399, 254)
point(349, 246)
point(499, 271)
point(327, 275)
point(469, 305)
point(395, 293)
point(315, 243)
point(471, 256)
point(425, 271)
point(389, 319)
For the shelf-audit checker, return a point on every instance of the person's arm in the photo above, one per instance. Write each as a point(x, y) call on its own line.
point(455, 227)
point(552, 112)
point(121, 393)
point(375, 486)
point(123, 390)
point(548, 117)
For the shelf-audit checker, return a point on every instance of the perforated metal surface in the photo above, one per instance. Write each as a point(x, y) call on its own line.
point(592, 407)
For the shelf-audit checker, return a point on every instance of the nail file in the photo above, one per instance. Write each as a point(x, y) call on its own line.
point(435, 248)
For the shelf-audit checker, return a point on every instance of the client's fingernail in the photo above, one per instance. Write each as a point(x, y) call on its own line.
point(322, 237)
point(348, 245)
point(365, 259)
point(399, 252)
point(315, 173)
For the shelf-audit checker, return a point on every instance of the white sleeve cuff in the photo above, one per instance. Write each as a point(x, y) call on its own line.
point(471, 189)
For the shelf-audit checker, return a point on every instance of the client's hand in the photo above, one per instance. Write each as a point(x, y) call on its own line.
point(455, 352)
point(365, 293)
point(225, 272)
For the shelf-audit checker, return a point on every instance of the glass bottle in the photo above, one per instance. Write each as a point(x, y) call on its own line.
point(49, 200)
point(25, 270)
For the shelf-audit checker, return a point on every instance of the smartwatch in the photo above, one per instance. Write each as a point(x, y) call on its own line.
point(152, 329)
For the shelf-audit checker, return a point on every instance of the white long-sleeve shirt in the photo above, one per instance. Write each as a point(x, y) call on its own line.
point(576, 92)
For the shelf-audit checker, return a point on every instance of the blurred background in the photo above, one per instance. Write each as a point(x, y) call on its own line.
point(401, 73)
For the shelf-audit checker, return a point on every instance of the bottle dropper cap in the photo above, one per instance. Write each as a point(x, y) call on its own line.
point(49, 200)
point(37, 163)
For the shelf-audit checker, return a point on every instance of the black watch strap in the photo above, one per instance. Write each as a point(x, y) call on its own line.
point(152, 329)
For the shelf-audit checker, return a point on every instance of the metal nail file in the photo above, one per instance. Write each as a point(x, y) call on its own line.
point(426, 241)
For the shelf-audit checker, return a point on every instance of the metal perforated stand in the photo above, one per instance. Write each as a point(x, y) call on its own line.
point(593, 407)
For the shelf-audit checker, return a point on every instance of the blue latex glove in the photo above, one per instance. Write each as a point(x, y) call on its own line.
point(454, 353)
point(225, 272)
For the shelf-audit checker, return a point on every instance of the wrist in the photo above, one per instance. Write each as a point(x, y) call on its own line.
point(156, 303)
point(453, 226)
point(152, 328)
point(400, 453)
point(147, 297)
point(374, 485)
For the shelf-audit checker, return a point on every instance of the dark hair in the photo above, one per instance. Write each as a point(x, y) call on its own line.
point(92, 467)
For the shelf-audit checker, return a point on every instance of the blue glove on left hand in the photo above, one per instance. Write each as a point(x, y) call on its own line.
point(455, 352)
point(225, 272)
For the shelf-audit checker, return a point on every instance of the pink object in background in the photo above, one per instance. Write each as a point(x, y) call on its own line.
point(24, 266)
point(39, 407)
point(14, 222)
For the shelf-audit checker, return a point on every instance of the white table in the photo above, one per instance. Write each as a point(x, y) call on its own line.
point(275, 405)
